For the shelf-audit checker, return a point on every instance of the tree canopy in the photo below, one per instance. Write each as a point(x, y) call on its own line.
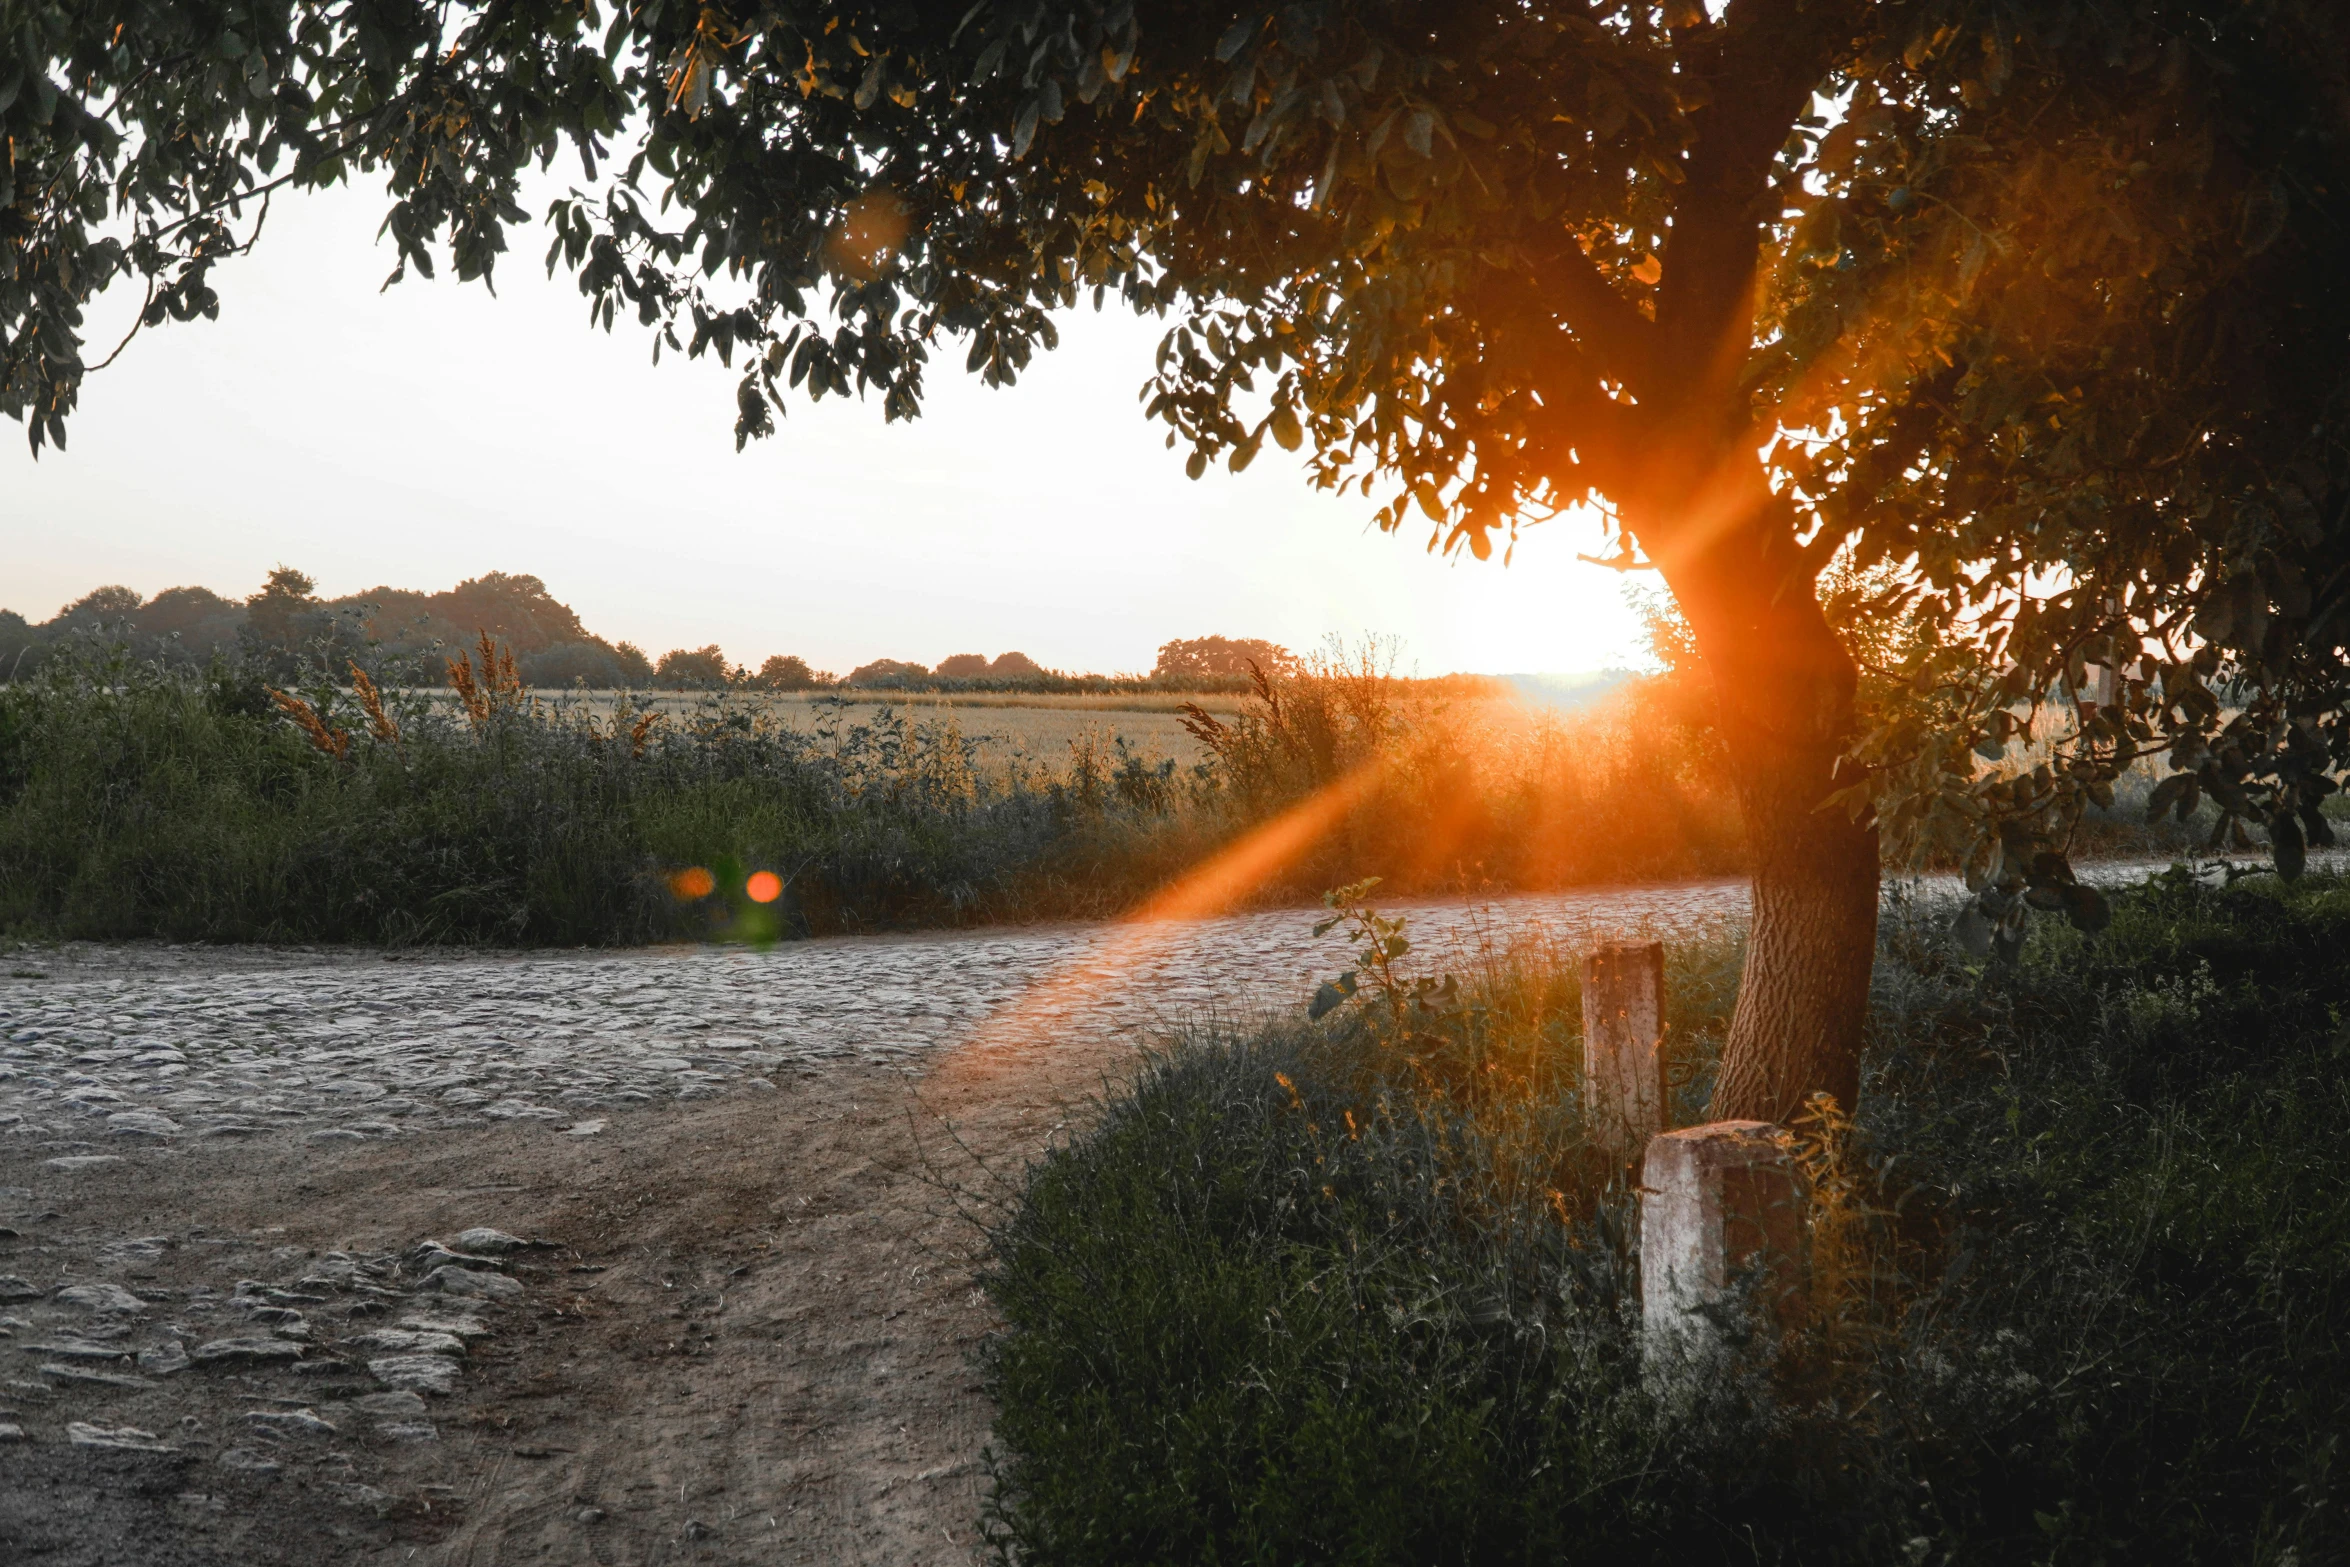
point(2020, 314)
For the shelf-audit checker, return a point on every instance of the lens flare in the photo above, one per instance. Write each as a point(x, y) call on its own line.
point(763, 887)
point(692, 883)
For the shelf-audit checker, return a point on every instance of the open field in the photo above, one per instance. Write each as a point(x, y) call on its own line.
point(1037, 731)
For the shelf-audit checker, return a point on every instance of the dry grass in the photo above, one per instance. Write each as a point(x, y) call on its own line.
point(1014, 727)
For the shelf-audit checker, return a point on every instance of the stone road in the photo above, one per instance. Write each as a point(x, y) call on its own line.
point(103, 1048)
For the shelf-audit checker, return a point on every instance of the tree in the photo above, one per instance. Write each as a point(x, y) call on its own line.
point(1220, 658)
point(1484, 263)
point(690, 669)
point(889, 672)
point(281, 616)
point(635, 668)
point(963, 666)
point(789, 672)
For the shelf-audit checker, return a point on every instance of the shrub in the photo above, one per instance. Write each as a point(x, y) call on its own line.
point(788, 672)
point(1341, 1293)
point(888, 673)
point(1230, 657)
point(695, 669)
point(137, 800)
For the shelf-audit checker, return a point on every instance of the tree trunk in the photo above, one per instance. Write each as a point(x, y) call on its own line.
point(1785, 683)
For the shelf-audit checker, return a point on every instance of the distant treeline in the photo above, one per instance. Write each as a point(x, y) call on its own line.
point(403, 637)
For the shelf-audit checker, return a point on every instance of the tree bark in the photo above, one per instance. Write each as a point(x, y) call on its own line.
point(1785, 684)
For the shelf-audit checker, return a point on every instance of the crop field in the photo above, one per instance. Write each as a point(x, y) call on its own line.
point(1035, 730)
point(1038, 730)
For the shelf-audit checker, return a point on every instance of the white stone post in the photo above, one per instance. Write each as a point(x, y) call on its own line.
point(1624, 1046)
point(1721, 1212)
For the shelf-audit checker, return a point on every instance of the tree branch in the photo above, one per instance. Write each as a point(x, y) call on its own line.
point(1572, 292)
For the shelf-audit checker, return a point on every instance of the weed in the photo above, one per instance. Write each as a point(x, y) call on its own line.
point(1338, 1292)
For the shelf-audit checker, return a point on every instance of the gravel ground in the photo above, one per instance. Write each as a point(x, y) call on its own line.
point(242, 1320)
point(105, 1049)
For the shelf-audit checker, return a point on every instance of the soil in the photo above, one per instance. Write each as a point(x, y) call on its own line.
point(744, 1329)
point(749, 1340)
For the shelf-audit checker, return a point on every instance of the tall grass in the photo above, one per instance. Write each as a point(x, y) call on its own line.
point(138, 799)
point(1358, 1292)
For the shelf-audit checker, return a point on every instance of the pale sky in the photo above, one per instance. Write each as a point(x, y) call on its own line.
point(431, 433)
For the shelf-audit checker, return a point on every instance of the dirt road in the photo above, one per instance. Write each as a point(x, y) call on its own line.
point(752, 1185)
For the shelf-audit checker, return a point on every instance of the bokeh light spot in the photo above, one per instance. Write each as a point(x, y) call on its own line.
point(692, 883)
point(764, 887)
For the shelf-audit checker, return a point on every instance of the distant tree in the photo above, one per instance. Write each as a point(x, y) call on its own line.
point(285, 624)
point(635, 668)
point(19, 646)
point(187, 612)
point(963, 666)
point(273, 613)
point(695, 669)
point(787, 672)
point(590, 663)
point(1197, 657)
point(888, 672)
point(1015, 666)
point(515, 609)
point(113, 604)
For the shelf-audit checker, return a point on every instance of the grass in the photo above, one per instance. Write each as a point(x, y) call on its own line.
point(1340, 1293)
point(143, 800)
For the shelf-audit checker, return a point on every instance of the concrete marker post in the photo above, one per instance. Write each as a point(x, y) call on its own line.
point(1624, 1089)
point(1721, 1213)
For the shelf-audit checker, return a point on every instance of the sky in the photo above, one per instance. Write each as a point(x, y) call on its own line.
point(421, 435)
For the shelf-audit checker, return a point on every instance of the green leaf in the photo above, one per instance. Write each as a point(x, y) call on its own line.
point(2168, 793)
point(1332, 995)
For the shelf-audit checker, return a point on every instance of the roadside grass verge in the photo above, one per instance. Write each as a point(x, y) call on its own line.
point(1344, 1292)
point(139, 800)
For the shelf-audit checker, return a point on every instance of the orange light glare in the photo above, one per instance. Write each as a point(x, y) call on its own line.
point(692, 883)
point(764, 887)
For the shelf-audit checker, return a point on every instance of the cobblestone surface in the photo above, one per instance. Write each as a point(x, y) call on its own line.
point(105, 1048)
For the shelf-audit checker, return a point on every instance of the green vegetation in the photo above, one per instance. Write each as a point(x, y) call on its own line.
point(1359, 1292)
point(149, 799)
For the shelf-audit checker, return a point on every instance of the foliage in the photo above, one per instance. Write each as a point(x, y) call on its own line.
point(285, 624)
point(1329, 1293)
point(2120, 537)
point(694, 669)
point(789, 672)
point(890, 673)
point(1229, 656)
point(150, 799)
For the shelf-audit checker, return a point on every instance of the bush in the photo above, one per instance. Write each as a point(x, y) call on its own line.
point(693, 669)
point(890, 674)
point(137, 800)
point(148, 803)
point(1332, 1293)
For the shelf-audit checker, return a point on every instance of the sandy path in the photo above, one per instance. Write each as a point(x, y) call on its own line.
point(747, 1335)
point(748, 1339)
